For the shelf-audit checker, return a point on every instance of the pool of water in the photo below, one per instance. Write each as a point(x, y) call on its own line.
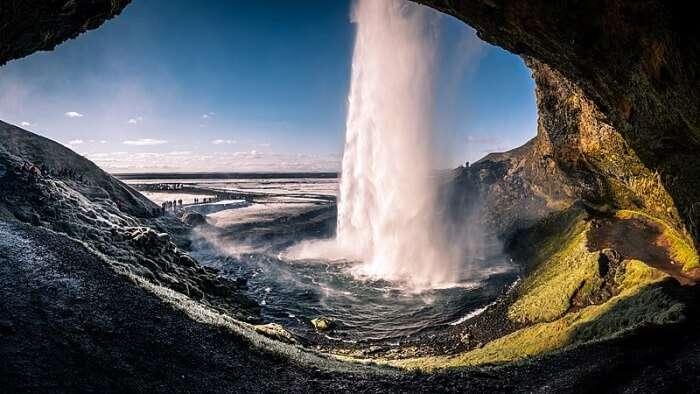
point(250, 242)
point(294, 292)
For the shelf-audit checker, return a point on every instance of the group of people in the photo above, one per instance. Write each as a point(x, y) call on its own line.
point(171, 205)
point(161, 186)
point(205, 200)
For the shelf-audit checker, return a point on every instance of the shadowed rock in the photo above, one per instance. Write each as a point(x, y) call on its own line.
point(30, 26)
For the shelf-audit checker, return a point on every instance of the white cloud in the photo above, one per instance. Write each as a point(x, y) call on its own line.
point(264, 145)
point(220, 141)
point(208, 115)
point(205, 116)
point(73, 114)
point(103, 141)
point(223, 161)
point(145, 141)
point(25, 124)
point(75, 142)
point(135, 120)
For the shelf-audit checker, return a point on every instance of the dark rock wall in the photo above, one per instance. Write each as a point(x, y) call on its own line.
point(30, 26)
point(617, 91)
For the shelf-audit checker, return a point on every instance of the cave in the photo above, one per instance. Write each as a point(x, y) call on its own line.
point(609, 181)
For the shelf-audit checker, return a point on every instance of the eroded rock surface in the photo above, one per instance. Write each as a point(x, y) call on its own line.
point(30, 26)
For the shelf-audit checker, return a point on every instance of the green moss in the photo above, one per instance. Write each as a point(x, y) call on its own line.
point(638, 274)
point(680, 248)
point(561, 267)
point(641, 302)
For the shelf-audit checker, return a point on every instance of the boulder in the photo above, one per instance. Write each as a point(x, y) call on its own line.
point(194, 219)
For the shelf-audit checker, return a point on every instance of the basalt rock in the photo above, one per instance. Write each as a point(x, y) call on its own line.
point(619, 108)
point(193, 219)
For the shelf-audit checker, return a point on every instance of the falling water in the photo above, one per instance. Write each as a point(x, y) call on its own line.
point(387, 213)
point(386, 210)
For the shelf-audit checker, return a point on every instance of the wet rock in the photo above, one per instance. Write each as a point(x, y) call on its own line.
point(322, 324)
point(194, 219)
point(607, 259)
point(186, 261)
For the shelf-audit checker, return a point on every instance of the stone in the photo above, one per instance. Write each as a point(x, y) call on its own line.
point(322, 324)
point(194, 219)
point(275, 331)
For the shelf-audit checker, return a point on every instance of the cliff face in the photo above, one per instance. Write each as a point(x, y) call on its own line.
point(576, 155)
point(617, 96)
point(30, 26)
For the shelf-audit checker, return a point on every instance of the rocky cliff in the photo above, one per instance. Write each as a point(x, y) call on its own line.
point(619, 108)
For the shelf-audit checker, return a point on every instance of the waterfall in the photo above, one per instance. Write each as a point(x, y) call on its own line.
point(387, 214)
point(386, 209)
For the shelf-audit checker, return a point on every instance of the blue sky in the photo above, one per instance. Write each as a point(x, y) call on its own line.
point(243, 86)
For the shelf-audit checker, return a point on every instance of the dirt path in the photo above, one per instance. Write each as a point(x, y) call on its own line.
point(636, 239)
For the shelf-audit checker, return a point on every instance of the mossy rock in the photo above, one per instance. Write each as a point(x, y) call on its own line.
point(561, 267)
point(322, 324)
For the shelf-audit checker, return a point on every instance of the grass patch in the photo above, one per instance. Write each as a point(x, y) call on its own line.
point(641, 301)
point(681, 250)
point(561, 266)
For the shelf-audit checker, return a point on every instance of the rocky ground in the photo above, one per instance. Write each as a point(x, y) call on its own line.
point(50, 186)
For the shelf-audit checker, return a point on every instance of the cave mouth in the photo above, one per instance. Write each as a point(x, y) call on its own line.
point(484, 104)
point(358, 310)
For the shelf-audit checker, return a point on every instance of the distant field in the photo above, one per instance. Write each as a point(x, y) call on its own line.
point(228, 175)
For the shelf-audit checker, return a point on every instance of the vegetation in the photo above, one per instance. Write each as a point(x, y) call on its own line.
point(641, 301)
point(561, 266)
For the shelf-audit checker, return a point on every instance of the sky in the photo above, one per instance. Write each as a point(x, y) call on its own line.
point(174, 85)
